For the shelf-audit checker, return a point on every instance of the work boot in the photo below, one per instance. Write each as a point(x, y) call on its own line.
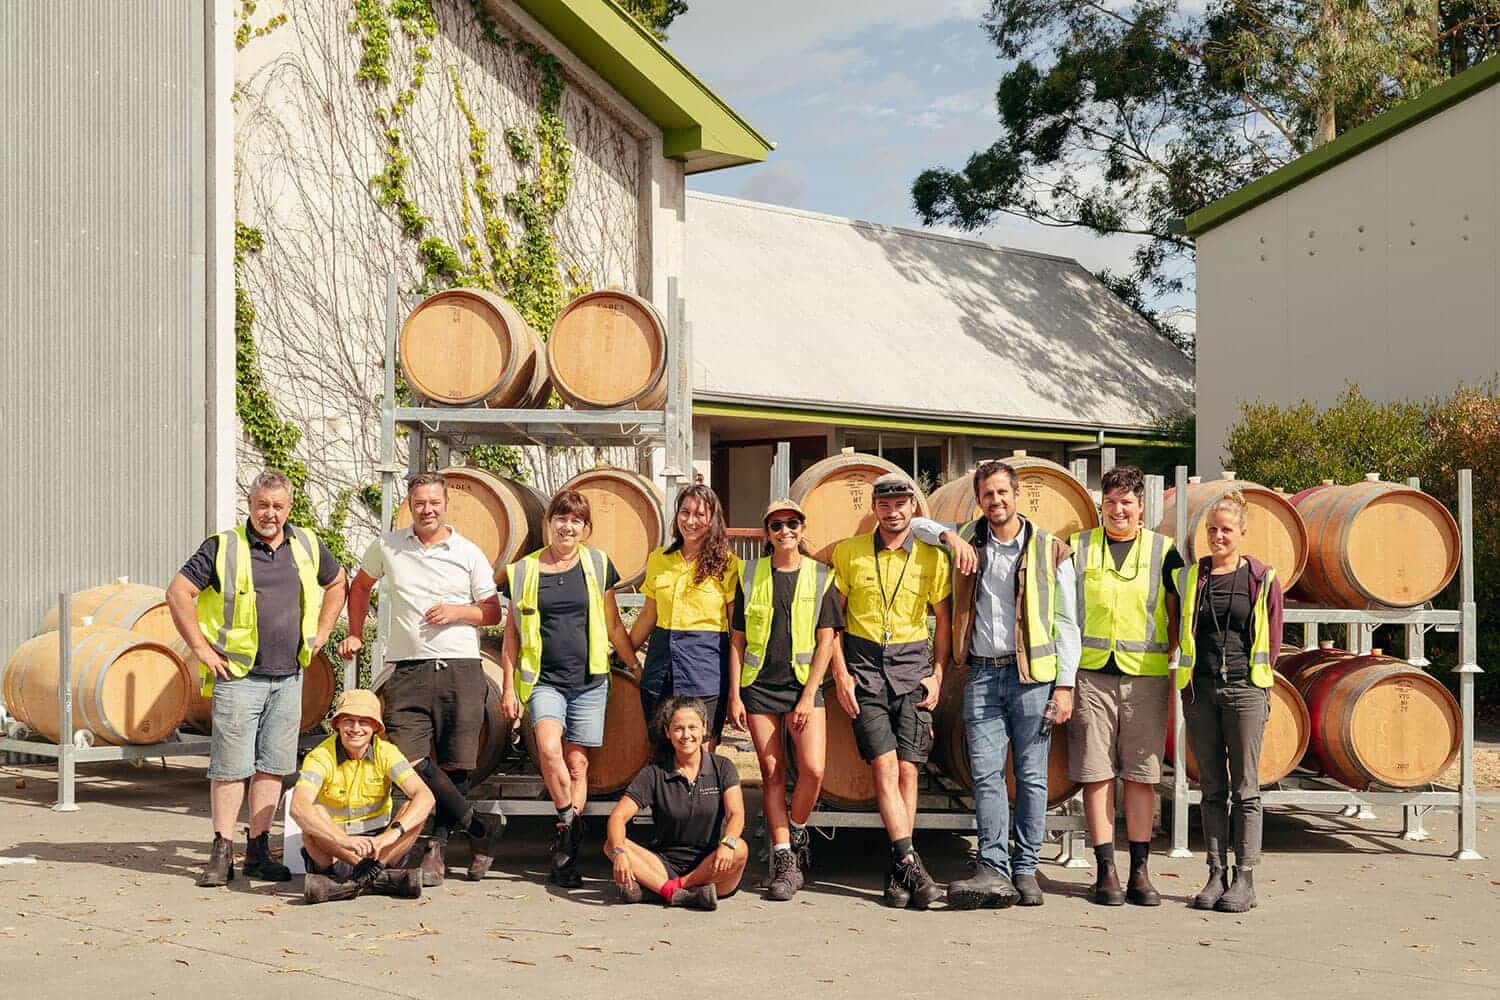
point(482, 849)
point(566, 876)
point(322, 889)
point(896, 893)
point(1139, 891)
point(986, 887)
point(403, 883)
point(1218, 882)
point(1107, 891)
point(1240, 896)
point(566, 839)
point(631, 893)
point(260, 865)
point(1029, 889)
point(220, 867)
point(703, 897)
point(922, 889)
point(434, 862)
point(786, 878)
point(802, 848)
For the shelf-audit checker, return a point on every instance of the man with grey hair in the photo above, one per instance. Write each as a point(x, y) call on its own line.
point(253, 604)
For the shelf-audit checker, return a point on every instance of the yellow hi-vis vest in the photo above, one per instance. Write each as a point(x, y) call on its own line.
point(1036, 604)
point(228, 620)
point(1260, 629)
point(524, 577)
point(755, 580)
point(1124, 611)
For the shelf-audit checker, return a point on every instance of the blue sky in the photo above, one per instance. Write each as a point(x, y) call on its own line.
point(860, 96)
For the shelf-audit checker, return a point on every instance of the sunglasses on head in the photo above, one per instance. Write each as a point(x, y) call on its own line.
point(791, 523)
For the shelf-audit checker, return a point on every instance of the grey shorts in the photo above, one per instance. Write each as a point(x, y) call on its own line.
point(1118, 728)
point(255, 725)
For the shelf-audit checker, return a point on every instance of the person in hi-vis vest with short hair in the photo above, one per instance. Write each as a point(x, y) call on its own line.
point(786, 630)
point(1231, 636)
point(562, 622)
point(1127, 611)
point(253, 604)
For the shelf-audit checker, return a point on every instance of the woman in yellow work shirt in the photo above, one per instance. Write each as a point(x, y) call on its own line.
point(690, 588)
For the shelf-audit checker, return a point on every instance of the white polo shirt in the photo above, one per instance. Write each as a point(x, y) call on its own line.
point(451, 571)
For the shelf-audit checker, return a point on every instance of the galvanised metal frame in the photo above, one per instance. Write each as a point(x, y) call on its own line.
point(72, 749)
point(1304, 791)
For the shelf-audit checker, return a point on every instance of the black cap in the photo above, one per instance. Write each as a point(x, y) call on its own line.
point(894, 484)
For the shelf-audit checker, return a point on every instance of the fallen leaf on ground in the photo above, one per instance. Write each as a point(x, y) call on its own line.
point(595, 947)
point(421, 930)
point(269, 911)
point(565, 957)
point(519, 961)
point(1206, 944)
point(433, 959)
point(180, 961)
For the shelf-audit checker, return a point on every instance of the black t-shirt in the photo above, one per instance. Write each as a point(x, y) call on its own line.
point(1224, 622)
point(1119, 551)
point(563, 602)
point(278, 596)
point(776, 670)
point(686, 815)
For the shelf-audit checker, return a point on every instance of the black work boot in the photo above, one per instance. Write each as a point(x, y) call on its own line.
point(802, 848)
point(220, 867)
point(1218, 882)
point(322, 889)
point(923, 891)
point(986, 887)
point(1107, 891)
point(482, 849)
point(434, 861)
point(260, 865)
point(403, 883)
point(566, 876)
point(786, 877)
point(896, 893)
point(562, 839)
point(703, 897)
point(1240, 896)
point(1029, 888)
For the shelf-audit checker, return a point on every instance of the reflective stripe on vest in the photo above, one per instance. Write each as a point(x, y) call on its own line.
point(1036, 603)
point(228, 618)
point(1123, 616)
point(1260, 629)
point(756, 582)
point(524, 577)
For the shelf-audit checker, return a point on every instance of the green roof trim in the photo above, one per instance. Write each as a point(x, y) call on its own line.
point(1346, 146)
point(697, 126)
point(917, 426)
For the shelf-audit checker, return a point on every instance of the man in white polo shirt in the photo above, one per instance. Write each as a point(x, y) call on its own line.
point(441, 589)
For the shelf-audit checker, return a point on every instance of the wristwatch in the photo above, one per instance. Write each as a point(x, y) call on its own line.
point(397, 824)
point(730, 842)
point(615, 852)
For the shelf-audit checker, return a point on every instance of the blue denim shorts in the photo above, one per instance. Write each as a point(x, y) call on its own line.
point(255, 724)
point(581, 713)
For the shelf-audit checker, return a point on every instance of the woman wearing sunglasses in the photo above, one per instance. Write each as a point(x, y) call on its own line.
point(784, 634)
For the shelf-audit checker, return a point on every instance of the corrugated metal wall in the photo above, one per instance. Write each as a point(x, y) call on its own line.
point(102, 297)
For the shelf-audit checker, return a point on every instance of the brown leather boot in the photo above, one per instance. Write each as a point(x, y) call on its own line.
point(322, 889)
point(483, 848)
point(434, 863)
point(403, 883)
point(1107, 891)
point(1140, 891)
point(220, 867)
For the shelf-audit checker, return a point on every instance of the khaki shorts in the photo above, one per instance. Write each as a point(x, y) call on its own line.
point(1118, 728)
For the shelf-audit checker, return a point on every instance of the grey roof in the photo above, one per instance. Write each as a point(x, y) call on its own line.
point(793, 307)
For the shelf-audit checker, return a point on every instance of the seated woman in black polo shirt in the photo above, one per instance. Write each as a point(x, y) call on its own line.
point(699, 814)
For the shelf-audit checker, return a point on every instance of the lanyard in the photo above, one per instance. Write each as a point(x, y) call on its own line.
point(1107, 560)
point(886, 603)
point(1222, 631)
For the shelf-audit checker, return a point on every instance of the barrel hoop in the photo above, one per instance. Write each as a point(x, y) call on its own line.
point(115, 647)
point(82, 653)
point(1346, 526)
point(126, 607)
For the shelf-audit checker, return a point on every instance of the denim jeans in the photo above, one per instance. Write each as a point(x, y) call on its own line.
point(1001, 713)
point(255, 723)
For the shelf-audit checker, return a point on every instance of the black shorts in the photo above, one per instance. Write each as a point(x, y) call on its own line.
point(761, 699)
point(889, 721)
point(678, 861)
point(435, 709)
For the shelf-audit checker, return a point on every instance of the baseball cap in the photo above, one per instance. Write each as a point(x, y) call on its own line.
point(894, 484)
point(783, 504)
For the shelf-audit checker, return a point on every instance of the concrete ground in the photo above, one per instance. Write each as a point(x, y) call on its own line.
point(1347, 908)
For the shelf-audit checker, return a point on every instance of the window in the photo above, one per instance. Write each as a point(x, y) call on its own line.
point(923, 458)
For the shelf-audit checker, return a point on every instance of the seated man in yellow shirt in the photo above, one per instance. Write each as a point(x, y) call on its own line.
point(342, 802)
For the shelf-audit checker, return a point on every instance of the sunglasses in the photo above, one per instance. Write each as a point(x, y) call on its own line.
point(791, 523)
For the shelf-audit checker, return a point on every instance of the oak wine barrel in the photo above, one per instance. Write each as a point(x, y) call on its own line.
point(835, 493)
point(847, 780)
point(626, 747)
point(464, 346)
point(319, 685)
point(629, 515)
point(1283, 744)
point(127, 688)
point(608, 350)
point(1275, 533)
point(1049, 497)
point(1377, 720)
point(501, 516)
point(950, 745)
point(1375, 543)
point(496, 732)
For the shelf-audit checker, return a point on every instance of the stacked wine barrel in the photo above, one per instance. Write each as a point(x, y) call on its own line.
point(836, 495)
point(470, 347)
point(1275, 533)
point(1049, 497)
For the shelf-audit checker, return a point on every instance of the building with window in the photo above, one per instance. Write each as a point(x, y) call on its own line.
point(933, 352)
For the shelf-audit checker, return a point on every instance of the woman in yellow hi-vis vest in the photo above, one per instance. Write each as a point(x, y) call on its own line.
point(1127, 610)
point(562, 622)
point(1231, 635)
point(785, 631)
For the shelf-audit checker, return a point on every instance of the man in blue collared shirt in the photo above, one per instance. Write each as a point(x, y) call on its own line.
point(1020, 658)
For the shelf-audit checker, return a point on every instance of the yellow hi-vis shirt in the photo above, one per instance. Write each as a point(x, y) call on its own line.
point(885, 634)
point(355, 791)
